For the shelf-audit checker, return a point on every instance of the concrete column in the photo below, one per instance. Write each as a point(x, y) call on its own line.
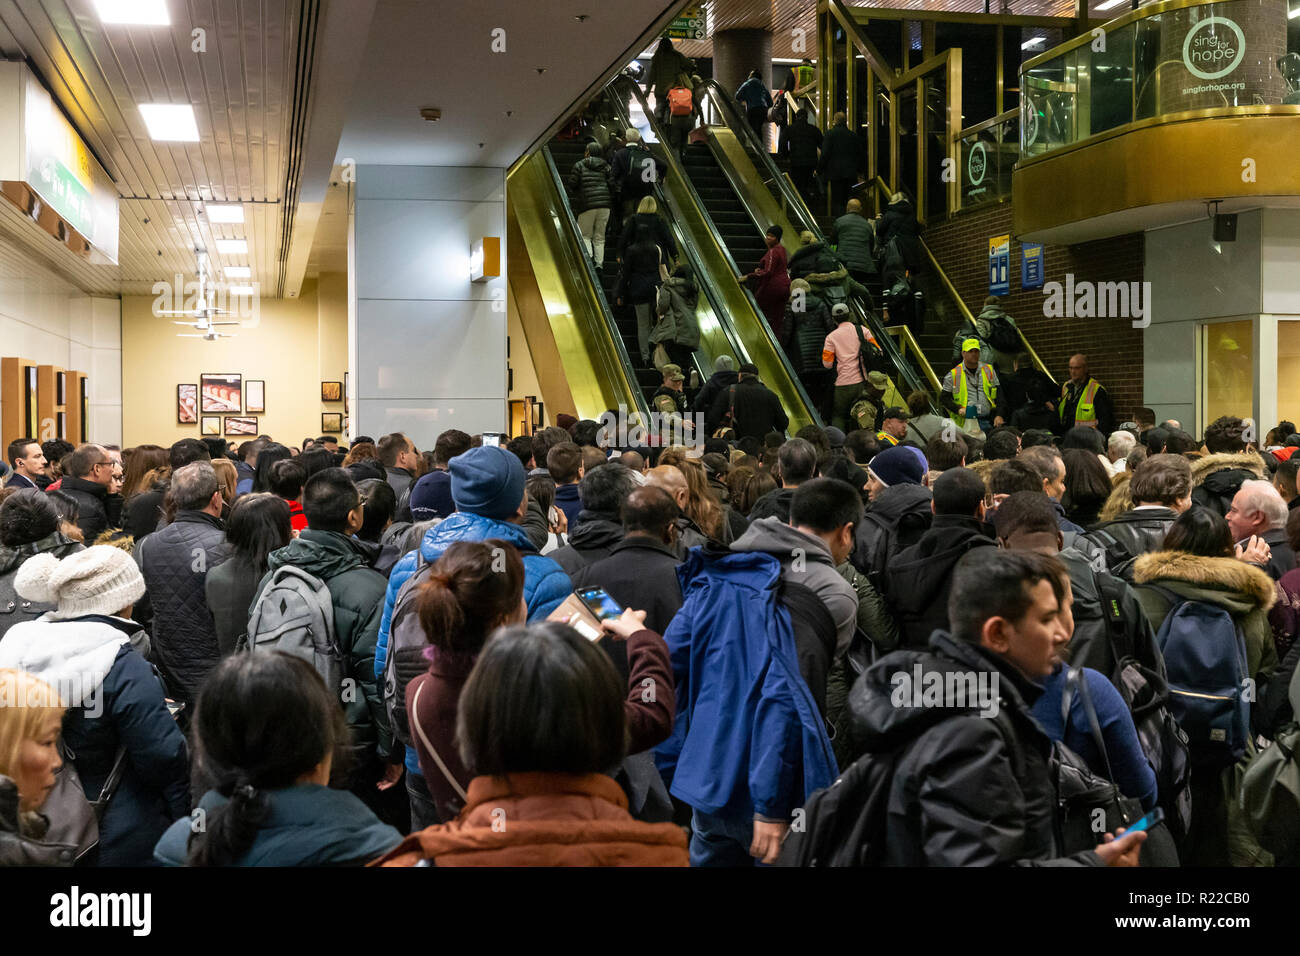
point(736, 52)
point(427, 346)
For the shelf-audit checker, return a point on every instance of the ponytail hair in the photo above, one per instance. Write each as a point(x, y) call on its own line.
point(263, 722)
point(473, 588)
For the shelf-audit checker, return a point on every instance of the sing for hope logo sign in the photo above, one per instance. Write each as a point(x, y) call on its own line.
point(1210, 53)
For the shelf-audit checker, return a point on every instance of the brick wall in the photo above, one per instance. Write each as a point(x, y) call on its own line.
point(1113, 346)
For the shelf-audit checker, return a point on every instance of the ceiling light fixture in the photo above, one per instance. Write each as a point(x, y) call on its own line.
point(170, 122)
point(1109, 4)
point(241, 290)
point(237, 272)
point(1030, 44)
point(232, 246)
point(230, 212)
point(431, 114)
point(145, 13)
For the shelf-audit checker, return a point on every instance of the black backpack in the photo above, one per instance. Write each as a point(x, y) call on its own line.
point(1003, 336)
point(407, 641)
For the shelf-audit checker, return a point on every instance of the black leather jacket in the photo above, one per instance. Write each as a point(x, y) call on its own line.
point(1130, 536)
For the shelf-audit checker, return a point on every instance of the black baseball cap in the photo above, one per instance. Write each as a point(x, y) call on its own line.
point(895, 412)
point(748, 368)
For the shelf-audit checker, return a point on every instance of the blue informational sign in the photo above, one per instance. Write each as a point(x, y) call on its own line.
point(1000, 265)
point(1031, 265)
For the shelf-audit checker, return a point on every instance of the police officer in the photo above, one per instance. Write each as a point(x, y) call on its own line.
point(970, 390)
point(671, 400)
point(1084, 401)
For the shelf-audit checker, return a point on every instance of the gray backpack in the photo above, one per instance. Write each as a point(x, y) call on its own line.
point(406, 644)
point(295, 615)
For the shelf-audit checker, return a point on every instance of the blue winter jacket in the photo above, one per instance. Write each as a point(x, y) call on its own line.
point(545, 583)
point(753, 94)
point(748, 738)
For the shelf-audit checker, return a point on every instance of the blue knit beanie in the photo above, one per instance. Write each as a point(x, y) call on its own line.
point(487, 481)
point(897, 466)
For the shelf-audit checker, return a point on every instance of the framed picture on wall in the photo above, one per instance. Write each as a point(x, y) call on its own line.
point(254, 396)
point(331, 391)
point(221, 392)
point(331, 423)
point(240, 426)
point(187, 404)
point(211, 425)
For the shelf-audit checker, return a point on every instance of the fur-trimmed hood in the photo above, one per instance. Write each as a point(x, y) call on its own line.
point(1207, 465)
point(1246, 581)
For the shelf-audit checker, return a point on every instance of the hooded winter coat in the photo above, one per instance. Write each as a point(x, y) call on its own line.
point(748, 737)
point(308, 825)
point(556, 820)
point(966, 790)
point(807, 560)
point(591, 181)
point(717, 384)
point(99, 509)
point(1216, 478)
point(774, 504)
point(115, 700)
point(595, 538)
point(357, 596)
point(805, 333)
point(813, 259)
point(919, 578)
point(1244, 591)
point(904, 508)
point(185, 644)
point(678, 299)
point(15, 609)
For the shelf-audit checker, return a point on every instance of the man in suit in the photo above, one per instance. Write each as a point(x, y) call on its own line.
point(28, 462)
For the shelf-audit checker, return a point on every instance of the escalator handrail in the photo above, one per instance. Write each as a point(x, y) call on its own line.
point(803, 219)
point(597, 288)
point(678, 170)
point(961, 304)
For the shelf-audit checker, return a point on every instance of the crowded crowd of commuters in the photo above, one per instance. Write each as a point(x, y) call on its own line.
point(376, 656)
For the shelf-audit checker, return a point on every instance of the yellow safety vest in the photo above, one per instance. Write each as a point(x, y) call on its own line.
point(803, 75)
point(991, 390)
point(886, 437)
point(1085, 413)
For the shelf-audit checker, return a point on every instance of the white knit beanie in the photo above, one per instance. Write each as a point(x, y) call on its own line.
point(99, 580)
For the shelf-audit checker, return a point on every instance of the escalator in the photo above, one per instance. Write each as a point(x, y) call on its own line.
point(729, 217)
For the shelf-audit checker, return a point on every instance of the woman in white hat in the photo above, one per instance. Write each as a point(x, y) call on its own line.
point(117, 711)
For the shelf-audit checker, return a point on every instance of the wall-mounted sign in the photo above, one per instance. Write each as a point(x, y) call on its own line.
point(1000, 265)
point(977, 164)
point(39, 147)
point(689, 25)
point(1031, 265)
point(1214, 47)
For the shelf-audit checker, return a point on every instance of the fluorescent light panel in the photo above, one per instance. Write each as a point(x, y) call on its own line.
point(1292, 14)
point(241, 290)
point(232, 246)
point(1028, 44)
point(170, 122)
point(1109, 4)
point(145, 13)
point(237, 272)
point(229, 212)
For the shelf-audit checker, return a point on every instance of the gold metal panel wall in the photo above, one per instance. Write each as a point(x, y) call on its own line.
point(1187, 161)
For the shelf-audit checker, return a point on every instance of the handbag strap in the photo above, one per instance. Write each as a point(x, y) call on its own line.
point(433, 752)
point(1076, 678)
point(113, 780)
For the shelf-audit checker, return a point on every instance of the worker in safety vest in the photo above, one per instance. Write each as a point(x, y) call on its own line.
point(970, 391)
point(1084, 401)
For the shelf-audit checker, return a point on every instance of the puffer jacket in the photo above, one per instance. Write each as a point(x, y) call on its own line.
point(555, 820)
point(919, 578)
point(806, 333)
point(98, 509)
point(115, 700)
point(1244, 591)
point(306, 825)
point(185, 644)
point(591, 180)
point(678, 299)
point(1216, 478)
point(546, 584)
point(15, 609)
point(854, 238)
point(967, 790)
point(21, 834)
point(357, 596)
point(1130, 536)
point(812, 259)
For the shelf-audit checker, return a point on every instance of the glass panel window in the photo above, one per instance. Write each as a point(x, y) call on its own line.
point(1228, 367)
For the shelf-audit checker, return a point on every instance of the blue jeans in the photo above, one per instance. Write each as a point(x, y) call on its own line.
point(721, 840)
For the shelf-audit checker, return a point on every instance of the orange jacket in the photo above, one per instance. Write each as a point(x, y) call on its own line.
point(544, 819)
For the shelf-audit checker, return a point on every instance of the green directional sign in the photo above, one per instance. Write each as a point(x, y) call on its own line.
point(689, 25)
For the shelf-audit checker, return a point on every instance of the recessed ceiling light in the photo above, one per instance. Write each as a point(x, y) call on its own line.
point(232, 246)
point(241, 290)
point(145, 13)
point(168, 122)
point(232, 212)
point(1109, 4)
point(237, 272)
